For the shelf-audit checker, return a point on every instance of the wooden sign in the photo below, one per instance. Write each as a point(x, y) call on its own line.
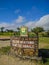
point(26, 45)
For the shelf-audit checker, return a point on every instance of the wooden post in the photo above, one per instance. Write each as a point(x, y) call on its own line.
point(37, 40)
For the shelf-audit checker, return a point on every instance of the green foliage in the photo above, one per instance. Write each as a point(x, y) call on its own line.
point(18, 29)
point(31, 34)
point(47, 61)
point(44, 34)
point(9, 30)
point(37, 29)
point(17, 33)
point(48, 33)
point(6, 34)
point(5, 50)
point(2, 28)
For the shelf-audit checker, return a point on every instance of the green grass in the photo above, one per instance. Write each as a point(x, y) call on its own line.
point(47, 63)
point(5, 50)
point(6, 34)
point(44, 40)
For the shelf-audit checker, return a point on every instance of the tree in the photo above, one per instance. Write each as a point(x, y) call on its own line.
point(37, 30)
point(18, 29)
point(9, 30)
point(2, 28)
point(48, 33)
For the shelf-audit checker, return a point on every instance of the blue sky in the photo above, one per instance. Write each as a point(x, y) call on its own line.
point(29, 11)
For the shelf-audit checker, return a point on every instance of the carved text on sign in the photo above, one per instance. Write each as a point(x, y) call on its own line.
point(23, 44)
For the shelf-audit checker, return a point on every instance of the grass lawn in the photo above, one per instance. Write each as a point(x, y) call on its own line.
point(44, 42)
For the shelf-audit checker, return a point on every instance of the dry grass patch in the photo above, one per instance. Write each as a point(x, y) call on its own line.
point(9, 60)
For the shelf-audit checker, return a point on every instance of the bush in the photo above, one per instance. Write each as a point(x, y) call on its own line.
point(31, 34)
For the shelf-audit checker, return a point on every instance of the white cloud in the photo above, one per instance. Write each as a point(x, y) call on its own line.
point(30, 24)
point(16, 23)
point(4, 24)
point(42, 22)
point(7, 25)
point(20, 19)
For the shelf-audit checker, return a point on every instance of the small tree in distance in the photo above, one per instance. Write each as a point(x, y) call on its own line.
point(37, 30)
point(2, 29)
point(48, 33)
point(18, 30)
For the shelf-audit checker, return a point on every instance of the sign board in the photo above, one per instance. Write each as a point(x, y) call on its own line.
point(23, 44)
point(29, 46)
point(23, 31)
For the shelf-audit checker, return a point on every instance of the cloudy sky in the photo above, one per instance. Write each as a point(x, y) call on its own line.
point(31, 13)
